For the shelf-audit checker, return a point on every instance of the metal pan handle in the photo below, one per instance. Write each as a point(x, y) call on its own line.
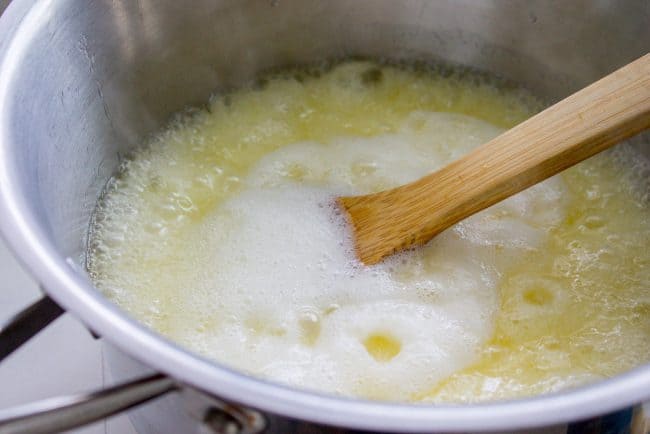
point(64, 413)
point(67, 412)
point(24, 325)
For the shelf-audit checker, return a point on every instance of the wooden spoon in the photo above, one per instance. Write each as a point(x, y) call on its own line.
point(589, 121)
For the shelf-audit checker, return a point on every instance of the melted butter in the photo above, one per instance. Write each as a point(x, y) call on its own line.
point(545, 291)
point(382, 347)
point(576, 311)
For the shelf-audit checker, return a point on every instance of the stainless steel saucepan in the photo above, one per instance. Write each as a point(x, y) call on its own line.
point(84, 81)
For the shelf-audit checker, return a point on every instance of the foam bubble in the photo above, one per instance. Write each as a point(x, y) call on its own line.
point(279, 260)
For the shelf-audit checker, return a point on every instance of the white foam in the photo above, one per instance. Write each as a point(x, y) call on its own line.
point(291, 303)
point(208, 238)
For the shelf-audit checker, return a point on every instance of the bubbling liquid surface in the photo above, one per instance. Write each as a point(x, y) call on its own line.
point(220, 234)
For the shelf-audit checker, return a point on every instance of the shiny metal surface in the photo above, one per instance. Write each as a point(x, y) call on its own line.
point(64, 413)
point(82, 82)
point(216, 416)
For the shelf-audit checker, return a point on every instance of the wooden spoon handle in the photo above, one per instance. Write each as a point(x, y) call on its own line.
point(589, 121)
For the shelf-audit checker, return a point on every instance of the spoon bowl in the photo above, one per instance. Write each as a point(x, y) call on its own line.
point(591, 120)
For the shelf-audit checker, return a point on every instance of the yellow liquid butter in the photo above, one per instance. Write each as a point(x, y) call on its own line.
point(220, 234)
